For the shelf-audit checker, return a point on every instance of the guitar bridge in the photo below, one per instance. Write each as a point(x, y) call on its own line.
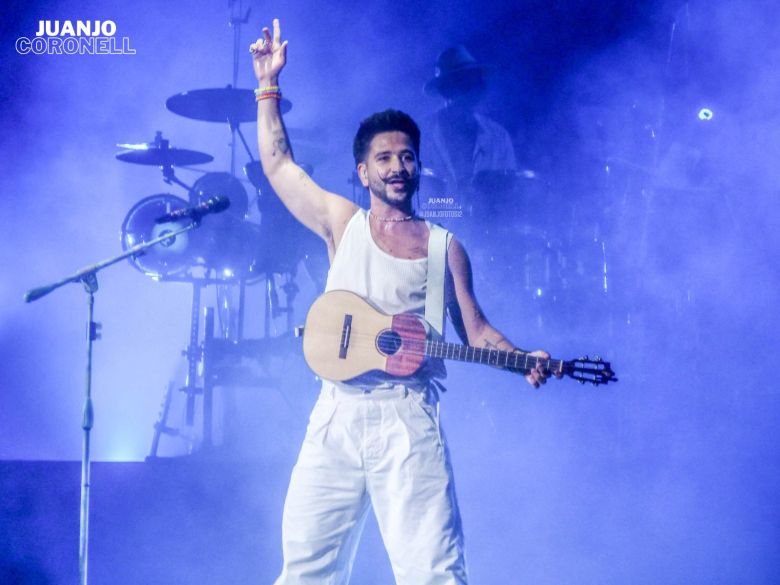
point(346, 331)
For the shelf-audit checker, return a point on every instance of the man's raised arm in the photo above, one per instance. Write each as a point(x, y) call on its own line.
point(320, 211)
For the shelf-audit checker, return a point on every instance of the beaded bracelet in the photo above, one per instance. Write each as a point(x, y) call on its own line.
point(270, 92)
point(269, 95)
point(260, 90)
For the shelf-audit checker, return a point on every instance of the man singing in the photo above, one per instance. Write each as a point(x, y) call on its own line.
point(374, 442)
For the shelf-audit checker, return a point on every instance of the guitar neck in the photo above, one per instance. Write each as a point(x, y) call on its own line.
point(508, 360)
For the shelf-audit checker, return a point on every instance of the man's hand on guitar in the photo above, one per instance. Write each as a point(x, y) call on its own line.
point(538, 375)
point(269, 55)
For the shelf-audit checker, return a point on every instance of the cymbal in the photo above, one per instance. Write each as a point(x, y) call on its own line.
point(223, 104)
point(162, 156)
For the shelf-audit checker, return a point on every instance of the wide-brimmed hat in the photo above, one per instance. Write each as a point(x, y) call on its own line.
point(453, 65)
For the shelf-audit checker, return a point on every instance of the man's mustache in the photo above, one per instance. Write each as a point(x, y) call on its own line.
point(404, 176)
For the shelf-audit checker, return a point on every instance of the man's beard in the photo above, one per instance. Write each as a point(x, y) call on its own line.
point(382, 188)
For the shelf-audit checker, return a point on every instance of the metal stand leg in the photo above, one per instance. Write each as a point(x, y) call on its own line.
point(208, 381)
point(88, 420)
point(193, 354)
point(161, 426)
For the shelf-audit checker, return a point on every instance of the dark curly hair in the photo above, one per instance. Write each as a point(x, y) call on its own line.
point(387, 121)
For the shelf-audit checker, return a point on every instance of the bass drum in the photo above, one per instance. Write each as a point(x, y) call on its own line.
point(170, 258)
point(227, 242)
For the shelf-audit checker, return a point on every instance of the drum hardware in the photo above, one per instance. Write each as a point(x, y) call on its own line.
point(225, 104)
point(229, 105)
point(272, 307)
point(159, 153)
point(161, 426)
point(221, 185)
point(193, 353)
point(175, 255)
point(230, 251)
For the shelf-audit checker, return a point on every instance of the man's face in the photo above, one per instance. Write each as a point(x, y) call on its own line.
point(390, 170)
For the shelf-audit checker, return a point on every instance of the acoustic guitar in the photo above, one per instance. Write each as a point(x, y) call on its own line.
point(345, 336)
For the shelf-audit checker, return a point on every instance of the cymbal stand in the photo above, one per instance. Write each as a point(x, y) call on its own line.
point(236, 20)
point(193, 353)
point(167, 170)
point(161, 426)
point(169, 177)
point(272, 307)
point(290, 292)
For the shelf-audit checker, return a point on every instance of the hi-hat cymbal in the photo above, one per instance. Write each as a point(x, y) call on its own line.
point(162, 156)
point(224, 104)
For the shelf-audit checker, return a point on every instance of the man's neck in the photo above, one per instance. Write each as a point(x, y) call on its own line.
point(383, 211)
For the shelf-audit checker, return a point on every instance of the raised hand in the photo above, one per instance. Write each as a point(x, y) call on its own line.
point(269, 55)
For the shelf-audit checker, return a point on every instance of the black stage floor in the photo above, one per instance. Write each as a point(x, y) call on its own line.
point(184, 520)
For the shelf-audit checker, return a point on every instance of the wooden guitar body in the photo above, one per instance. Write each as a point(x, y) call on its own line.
point(346, 336)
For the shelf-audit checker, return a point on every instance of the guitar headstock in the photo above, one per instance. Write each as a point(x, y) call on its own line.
point(592, 371)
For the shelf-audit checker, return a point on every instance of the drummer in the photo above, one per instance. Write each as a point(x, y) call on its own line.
point(464, 146)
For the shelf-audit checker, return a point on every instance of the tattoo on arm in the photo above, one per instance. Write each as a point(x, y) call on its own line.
point(280, 143)
point(496, 343)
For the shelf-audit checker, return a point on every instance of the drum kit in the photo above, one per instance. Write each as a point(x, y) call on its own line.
point(229, 250)
point(228, 247)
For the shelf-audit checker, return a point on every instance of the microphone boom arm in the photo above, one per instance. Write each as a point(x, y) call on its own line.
point(89, 272)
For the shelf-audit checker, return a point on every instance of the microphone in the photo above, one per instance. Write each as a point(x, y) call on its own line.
point(210, 205)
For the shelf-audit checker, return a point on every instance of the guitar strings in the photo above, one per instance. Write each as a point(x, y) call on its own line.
point(361, 338)
point(582, 370)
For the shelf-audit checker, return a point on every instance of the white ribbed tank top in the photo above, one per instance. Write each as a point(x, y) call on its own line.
point(394, 285)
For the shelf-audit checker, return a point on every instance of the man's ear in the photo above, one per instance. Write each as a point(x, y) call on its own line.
point(362, 172)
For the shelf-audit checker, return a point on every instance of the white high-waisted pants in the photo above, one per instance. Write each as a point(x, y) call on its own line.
point(384, 449)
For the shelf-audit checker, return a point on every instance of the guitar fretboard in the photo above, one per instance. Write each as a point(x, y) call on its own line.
point(510, 360)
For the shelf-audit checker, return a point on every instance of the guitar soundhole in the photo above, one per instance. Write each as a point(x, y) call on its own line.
point(388, 342)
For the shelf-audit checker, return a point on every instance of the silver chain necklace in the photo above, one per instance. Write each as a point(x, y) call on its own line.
point(391, 219)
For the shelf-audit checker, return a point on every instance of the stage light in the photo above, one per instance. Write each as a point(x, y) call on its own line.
point(705, 114)
point(228, 273)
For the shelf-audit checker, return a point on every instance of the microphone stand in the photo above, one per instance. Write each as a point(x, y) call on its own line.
point(88, 277)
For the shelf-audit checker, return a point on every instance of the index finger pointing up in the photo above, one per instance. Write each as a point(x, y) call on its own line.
point(277, 32)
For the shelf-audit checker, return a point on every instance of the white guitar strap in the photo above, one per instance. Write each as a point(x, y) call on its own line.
point(438, 242)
